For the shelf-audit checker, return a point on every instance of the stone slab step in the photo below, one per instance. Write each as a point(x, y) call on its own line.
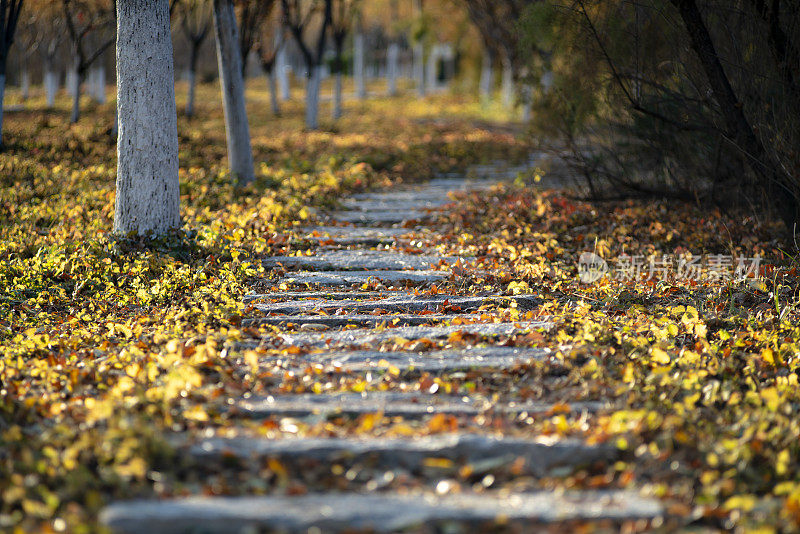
point(355, 231)
point(401, 304)
point(358, 260)
point(381, 217)
point(354, 235)
point(318, 296)
point(541, 455)
point(346, 278)
point(369, 337)
point(393, 204)
point(384, 512)
point(361, 320)
point(436, 360)
point(410, 405)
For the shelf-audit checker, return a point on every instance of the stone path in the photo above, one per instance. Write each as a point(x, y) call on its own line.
point(349, 309)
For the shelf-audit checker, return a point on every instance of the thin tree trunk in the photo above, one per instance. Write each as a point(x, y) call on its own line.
point(25, 83)
point(101, 84)
point(527, 103)
point(419, 68)
point(735, 120)
point(147, 145)
point(358, 65)
point(283, 76)
point(487, 75)
point(2, 102)
point(272, 80)
point(70, 81)
point(237, 129)
point(433, 63)
point(191, 79)
point(392, 58)
point(508, 85)
point(337, 96)
point(50, 86)
point(312, 97)
point(76, 97)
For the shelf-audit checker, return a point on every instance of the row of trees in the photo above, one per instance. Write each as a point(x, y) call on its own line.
point(79, 32)
point(147, 189)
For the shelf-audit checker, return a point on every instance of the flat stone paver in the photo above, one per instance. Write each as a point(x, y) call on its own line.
point(410, 405)
point(354, 235)
point(321, 295)
point(436, 360)
point(346, 278)
point(356, 260)
point(382, 216)
point(541, 455)
point(394, 204)
point(362, 320)
point(385, 512)
point(400, 304)
point(369, 336)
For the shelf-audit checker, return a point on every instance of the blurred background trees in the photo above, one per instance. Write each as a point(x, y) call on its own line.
point(688, 99)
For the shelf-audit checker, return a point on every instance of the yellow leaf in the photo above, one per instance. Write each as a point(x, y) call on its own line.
point(659, 356)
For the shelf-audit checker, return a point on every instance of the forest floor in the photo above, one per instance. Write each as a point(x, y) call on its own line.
point(440, 362)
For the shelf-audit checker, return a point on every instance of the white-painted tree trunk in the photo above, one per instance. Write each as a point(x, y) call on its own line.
point(100, 84)
point(337, 96)
point(50, 86)
point(358, 65)
point(282, 69)
point(392, 68)
point(25, 83)
point(487, 78)
point(419, 68)
point(191, 79)
point(312, 97)
point(147, 144)
point(433, 64)
point(272, 80)
point(70, 81)
point(75, 91)
point(2, 103)
point(229, 60)
point(527, 102)
point(507, 86)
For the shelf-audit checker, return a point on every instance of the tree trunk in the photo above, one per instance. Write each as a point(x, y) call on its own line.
point(2, 102)
point(337, 96)
point(312, 97)
point(70, 81)
point(100, 84)
point(50, 81)
point(25, 84)
point(358, 66)
point(508, 85)
point(774, 182)
point(392, 68)
point(419, 68)
point(487, 75)
point(527, 103)
point(237, 129)
point(147, 145)
point(76, 97)
point(433, 63)
point(272, 80)
point(191, 77)
point(283, 76)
